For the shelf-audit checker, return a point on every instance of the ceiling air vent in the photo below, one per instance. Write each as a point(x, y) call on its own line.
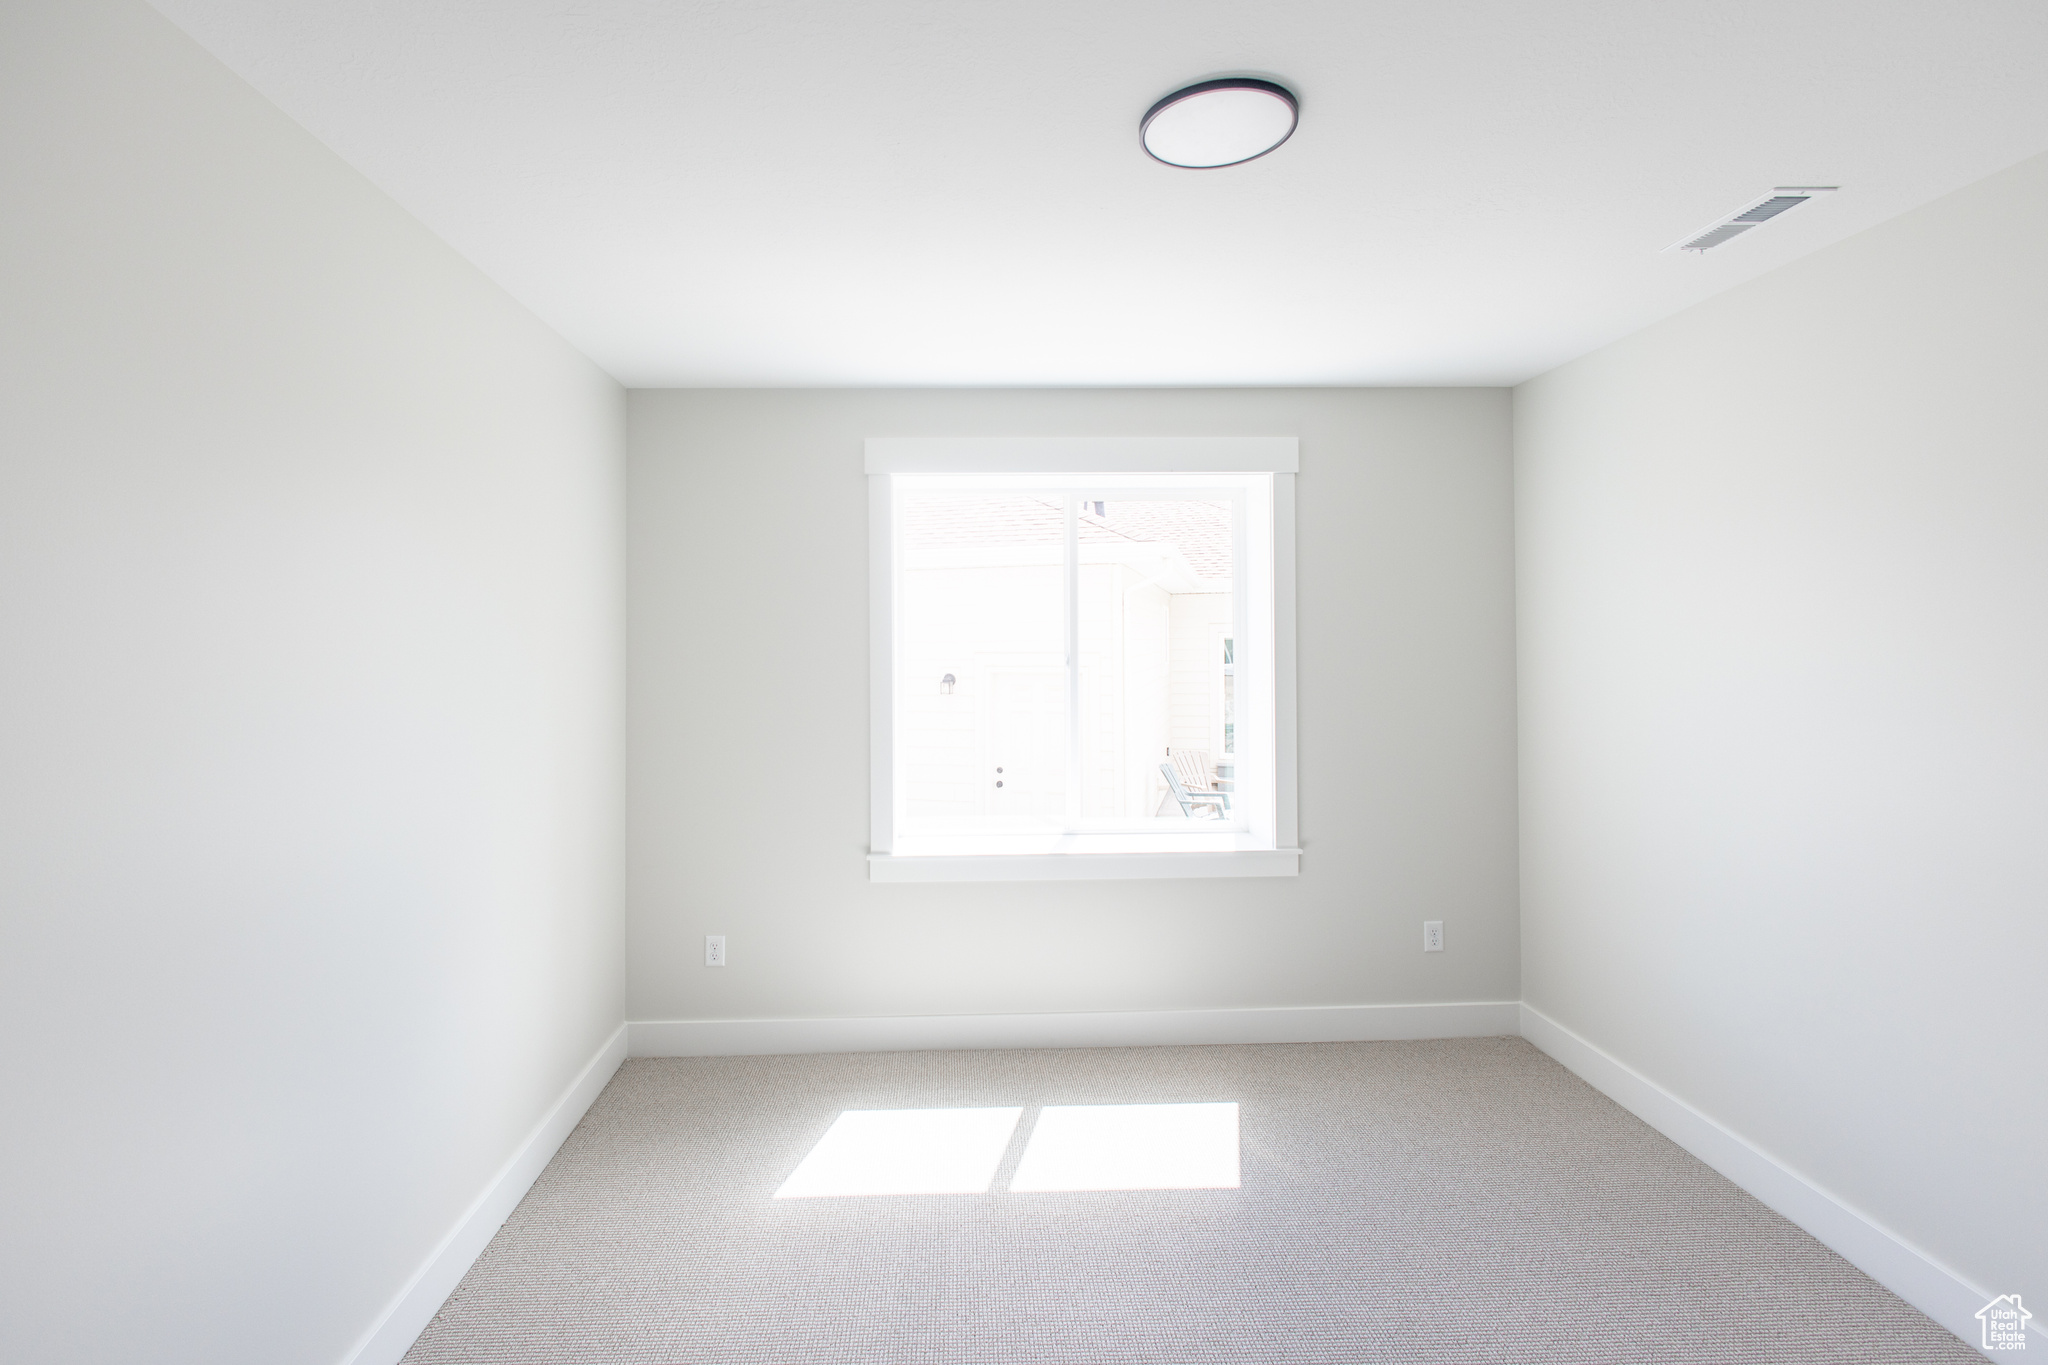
point(1760, 210)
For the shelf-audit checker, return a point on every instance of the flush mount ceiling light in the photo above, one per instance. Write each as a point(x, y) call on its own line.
point(1219, 123)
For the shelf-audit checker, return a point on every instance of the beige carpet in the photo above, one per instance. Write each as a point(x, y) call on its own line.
point(1455, 1201)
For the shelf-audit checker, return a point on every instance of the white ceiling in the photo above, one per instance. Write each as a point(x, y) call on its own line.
point(888, 192)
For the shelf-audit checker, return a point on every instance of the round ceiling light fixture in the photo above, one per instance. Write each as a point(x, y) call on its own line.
point(1219, 123)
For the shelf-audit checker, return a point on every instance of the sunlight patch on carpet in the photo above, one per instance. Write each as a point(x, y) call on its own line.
point(1131, 1147)
point(904, 1151)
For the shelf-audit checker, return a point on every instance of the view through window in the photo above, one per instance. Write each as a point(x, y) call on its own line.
point(1068, 656)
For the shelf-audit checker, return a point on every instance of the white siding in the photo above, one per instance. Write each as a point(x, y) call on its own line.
point(1200, 621)
point(1148, 615)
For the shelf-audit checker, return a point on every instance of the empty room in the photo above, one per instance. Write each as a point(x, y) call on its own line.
point(690, 682)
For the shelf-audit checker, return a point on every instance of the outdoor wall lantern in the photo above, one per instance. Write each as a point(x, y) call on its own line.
point(946, 686)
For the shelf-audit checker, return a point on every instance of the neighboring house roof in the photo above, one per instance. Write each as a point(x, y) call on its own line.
point(1200, 530)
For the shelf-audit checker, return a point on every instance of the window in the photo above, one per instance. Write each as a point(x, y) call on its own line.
point(1078, 670)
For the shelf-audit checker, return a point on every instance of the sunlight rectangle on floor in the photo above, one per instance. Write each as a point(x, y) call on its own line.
point(1131, 1147)
point(904, 1151)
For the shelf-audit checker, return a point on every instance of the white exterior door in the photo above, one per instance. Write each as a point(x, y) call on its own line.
point(1025, 769)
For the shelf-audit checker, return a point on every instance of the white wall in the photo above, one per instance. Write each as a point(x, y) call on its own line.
point(309, 628)
point(1784, 732)
point(748, 731)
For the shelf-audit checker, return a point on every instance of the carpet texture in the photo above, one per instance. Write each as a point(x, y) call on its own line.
point(1461, 1201)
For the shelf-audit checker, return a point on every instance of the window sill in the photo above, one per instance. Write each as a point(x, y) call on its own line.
point(1081, 867)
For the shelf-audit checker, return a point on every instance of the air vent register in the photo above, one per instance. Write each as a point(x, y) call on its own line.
point(1754, 214)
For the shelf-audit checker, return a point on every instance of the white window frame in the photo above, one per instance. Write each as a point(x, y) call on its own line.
point(1275, 455)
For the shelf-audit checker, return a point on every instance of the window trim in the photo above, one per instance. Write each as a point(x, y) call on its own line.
point(1275, 455)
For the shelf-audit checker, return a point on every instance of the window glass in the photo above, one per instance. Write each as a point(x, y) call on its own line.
point(1057, 647)
point(981, 599)
point(1155, 580)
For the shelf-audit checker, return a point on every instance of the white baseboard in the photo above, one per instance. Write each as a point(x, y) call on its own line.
point(1914, 1276)
point(1142, 1028)
point(416, 1304)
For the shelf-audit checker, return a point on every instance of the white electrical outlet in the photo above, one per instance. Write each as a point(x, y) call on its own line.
point(714, 950)
point(1432, 936)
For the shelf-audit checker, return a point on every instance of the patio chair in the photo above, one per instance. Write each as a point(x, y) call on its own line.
point(1197, 775)
point(1190, 782)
